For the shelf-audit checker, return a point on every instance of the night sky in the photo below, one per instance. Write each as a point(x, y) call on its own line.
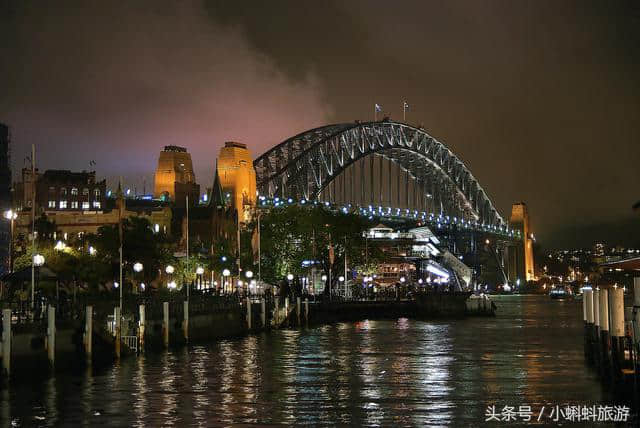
point(541, 100)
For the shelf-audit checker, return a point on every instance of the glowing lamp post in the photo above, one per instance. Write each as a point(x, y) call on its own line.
point(199, 272)
point(225, 274)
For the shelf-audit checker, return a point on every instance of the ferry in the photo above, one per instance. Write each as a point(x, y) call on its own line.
point(560, 292)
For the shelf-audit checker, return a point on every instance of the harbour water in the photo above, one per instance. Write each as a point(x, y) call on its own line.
point(388, 372)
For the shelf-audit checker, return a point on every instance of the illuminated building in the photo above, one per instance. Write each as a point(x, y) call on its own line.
point(237, 178)
point(521, 264)
point(174, 179)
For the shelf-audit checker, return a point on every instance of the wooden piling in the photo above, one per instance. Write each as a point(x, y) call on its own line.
point(165, 324)
point(616, 309)
point(141, 327)
point(118, 333)
point(88, 333)
point(588, 333)
point(6, 341)
point(306, 310)
point(605, 345)
point(298, 310)
point(51, 334)
point(185, 320)
point(248, 313)
point(263, 313)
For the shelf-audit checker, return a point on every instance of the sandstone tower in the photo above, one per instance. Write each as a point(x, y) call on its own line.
point(237, 178)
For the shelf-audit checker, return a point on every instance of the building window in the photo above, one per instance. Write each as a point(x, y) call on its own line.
point(63, 205)
point(96, 192)
point(85, 205)
point(74, 205)
point(63, 191)
point(85, 192)
point(96, 204)
point(52, 204)
point(74, 191)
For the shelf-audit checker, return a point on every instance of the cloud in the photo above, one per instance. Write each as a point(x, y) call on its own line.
point(116, 82)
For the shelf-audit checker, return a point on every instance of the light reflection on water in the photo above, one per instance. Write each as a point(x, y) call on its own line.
point(391, 372)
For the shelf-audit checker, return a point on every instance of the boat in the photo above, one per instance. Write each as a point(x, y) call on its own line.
point(560, 292)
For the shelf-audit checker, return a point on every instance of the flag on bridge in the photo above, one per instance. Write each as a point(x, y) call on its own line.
point(377, 108)
point(405, 106)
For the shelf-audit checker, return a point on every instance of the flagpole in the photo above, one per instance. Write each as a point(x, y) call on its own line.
point(259, 257)
point(404, 111)
point(375, 113)
point(33, 226)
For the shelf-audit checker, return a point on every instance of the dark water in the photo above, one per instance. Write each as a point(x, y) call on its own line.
point(401, 372)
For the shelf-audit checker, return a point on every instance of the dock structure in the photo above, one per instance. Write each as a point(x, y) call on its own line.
point(106, 332)
point(612, 338)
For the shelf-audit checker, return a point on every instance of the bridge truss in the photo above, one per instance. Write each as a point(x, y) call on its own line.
point(373, 165)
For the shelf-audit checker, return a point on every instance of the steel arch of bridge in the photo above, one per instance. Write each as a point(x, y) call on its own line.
point(304, 165)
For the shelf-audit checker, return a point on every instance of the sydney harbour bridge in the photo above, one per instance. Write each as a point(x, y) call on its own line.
point(384, 169)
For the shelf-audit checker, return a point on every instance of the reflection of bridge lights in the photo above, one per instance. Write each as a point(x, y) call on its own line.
point(289, 200)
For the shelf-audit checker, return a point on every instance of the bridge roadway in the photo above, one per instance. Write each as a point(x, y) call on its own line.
point(438, 222)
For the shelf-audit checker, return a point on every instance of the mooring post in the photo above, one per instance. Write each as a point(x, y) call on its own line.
point(306, 309)
point(263, 313)
point(185, 320)
point(118, 338)
point(141, 326)
point(616, 307)
point(165, 324)
point(298, 311)
point(51, 334)
point(588, 300)
point(595, 333)
point(88, 332)
point(286, 310)
point(277, 314)
point(6, 341)
point(603, 306)
point(248, 313)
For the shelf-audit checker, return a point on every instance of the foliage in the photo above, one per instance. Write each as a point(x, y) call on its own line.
point(294, 234)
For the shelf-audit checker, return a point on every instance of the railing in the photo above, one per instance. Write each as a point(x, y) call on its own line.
point(130, 342)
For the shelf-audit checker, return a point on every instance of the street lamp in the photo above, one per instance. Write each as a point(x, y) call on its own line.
point(341, 278)
point(137, 267)
point(169, 269)
point(199, 272)
point(60, 246)
point(402, 279)
point(38, 260)
point(225, 274)
point(249, 274)
point(290, 276)
point(172, 285)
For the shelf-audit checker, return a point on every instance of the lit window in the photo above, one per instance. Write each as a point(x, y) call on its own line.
point(96, 192)
point(85, 205)
point(52, 204)
point(74, 205)
point(52, 190)
point(96, 204)
point(63, 191)
point(63, 205)
point(74, 190)
point(85, 192)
